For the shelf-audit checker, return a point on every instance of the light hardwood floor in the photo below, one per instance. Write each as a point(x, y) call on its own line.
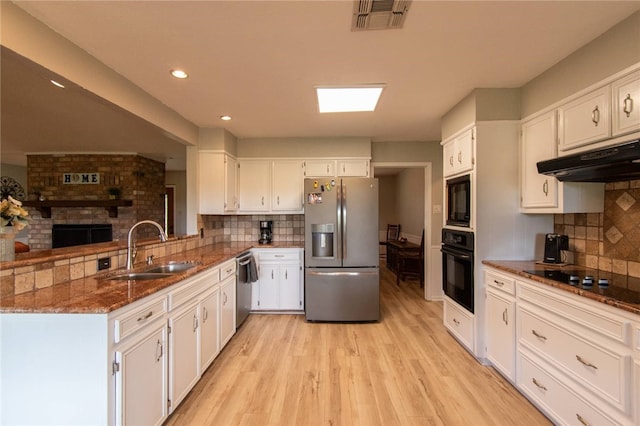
point(404, 370)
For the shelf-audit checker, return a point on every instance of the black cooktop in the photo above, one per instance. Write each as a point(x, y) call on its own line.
point(607, 284)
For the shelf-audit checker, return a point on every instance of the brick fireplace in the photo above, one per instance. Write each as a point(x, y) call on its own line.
point(137, 178)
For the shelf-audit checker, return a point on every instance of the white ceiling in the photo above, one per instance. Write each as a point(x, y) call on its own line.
point(258, 61)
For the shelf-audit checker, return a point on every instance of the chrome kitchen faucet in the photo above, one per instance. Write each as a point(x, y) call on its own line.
point(132, 251)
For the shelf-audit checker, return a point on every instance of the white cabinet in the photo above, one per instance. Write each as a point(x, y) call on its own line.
point(209, 327)
point(286, 188)
point(501, 325)
point(460, 323)
point(320, 168)
point(217, 183)
point(280, 284)
point(255, 181)
point(140, 370)
point(184, 367)
point(544, 194)
point(458, 153)
point(585, 120)
point(357, 168)
point(227, 310)
point(626, 104)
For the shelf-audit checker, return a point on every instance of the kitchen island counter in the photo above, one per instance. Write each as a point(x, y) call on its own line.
point(97, 294)
point(626, 298)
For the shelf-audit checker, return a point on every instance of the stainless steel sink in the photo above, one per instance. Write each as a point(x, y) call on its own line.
point(136, 276)
point(173, 267)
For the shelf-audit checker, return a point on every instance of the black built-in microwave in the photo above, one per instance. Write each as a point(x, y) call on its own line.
point(459, 201)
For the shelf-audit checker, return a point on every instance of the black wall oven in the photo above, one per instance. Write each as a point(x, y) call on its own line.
point(459, 201)
point(457, 266)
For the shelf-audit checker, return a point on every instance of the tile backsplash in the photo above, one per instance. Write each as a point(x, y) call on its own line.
point(609, 241)
point(245, 228)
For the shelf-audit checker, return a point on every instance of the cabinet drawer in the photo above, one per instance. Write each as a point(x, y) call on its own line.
point(601, 369)
point(459, 322)
point(501, 282)
point(556, 398)
point(598, 319)
point(278, 256)
point(189, 290)
point(227, 269)
point(135, 320)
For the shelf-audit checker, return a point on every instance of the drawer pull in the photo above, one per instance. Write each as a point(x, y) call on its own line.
point(595, 116)
point(582, 420)
point(146, 316)
point(538, 335)
point(456, 322)
point(535, 382)
point(585, 363)
point(498, 283)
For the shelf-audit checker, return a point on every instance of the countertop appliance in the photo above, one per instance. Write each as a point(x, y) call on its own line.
point(246, 273)
point(457, 267)
point(611, 164)
point(266, 231)
point(553, 246)
point(342, 276)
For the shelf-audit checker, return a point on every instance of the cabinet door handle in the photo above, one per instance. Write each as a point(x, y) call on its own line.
point(628, 105)
point(327, 168)
point(582, 420)
point(535, 382)
point(146, 316)
point(205, 314)
point(262, 201)
point(585, 363)
point(158, 350)
point(451, 161)
point(195, 322)
point(460, 157)
point(456, 322)
point(286, 274)
point(595, 116)
point(272, 274)
point(505, 316)
point(538, 335)
point(278, 200)
point(545, 187)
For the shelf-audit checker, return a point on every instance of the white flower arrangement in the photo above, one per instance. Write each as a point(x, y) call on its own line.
point(12, 214)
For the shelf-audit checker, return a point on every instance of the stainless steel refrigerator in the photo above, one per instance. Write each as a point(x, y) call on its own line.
point(342, 276)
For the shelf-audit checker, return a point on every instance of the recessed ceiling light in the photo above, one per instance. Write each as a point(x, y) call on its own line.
point(349, 98)
point(55, 83)
point(179, 74)
point(225, 117)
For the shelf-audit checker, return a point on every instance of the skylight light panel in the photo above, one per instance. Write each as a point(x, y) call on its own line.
point(348, 99)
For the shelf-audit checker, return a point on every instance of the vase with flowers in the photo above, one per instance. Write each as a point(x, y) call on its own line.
point(13, 218)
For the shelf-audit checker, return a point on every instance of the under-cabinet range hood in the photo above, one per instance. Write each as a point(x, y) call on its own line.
point(610, 164)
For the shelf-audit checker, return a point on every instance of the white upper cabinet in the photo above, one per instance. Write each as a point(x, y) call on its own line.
point(255, 181)
point(358, 168)
point(626, 104)
point(217, 183)
point(585, 120)
point(286, 193)
point(538, 144)
point(320, 168)
point(458, 154)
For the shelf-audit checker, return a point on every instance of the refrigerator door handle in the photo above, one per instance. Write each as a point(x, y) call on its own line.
point(337, 274)
point(344, 220)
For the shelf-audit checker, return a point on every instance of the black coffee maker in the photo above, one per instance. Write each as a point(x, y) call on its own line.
point(266, 232)
point(553, 246)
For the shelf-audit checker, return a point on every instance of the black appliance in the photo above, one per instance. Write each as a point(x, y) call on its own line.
point(553, 246)
point(75, 235)
point(266, 231)
point(611, 164)
point(457, 267)
point(614, 286)
point(459, 201)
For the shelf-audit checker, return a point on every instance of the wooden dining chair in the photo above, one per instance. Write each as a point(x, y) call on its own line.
point(393, 233)
point(411, 262)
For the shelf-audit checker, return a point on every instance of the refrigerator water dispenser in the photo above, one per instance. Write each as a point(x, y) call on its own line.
point(322, 240)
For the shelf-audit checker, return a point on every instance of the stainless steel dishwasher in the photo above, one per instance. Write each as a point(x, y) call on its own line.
point(246, 273)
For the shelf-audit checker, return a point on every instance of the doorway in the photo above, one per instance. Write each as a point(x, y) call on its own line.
point(413, 197)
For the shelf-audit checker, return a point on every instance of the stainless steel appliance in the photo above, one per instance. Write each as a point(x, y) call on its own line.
point(246, 273)
point(457, 267)
point(342, 277)
point(266, 231)
point(459, 201)
point(610, 164)
point(553, 246)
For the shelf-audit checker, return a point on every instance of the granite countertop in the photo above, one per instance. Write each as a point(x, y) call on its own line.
point(98, 295)
point(603, 295)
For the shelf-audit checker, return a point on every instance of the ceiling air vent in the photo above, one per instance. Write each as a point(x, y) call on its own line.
point(379, 14)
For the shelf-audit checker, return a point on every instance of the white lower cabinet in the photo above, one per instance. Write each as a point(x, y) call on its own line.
point(460, 323)
point(501, 324)
point(140, 370)
point(280, 283)
point(227, 302)
point(184, 366)
point(209, 327)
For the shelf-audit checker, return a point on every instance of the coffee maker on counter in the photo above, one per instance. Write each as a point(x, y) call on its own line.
point(266, 231)
point(553, 246)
